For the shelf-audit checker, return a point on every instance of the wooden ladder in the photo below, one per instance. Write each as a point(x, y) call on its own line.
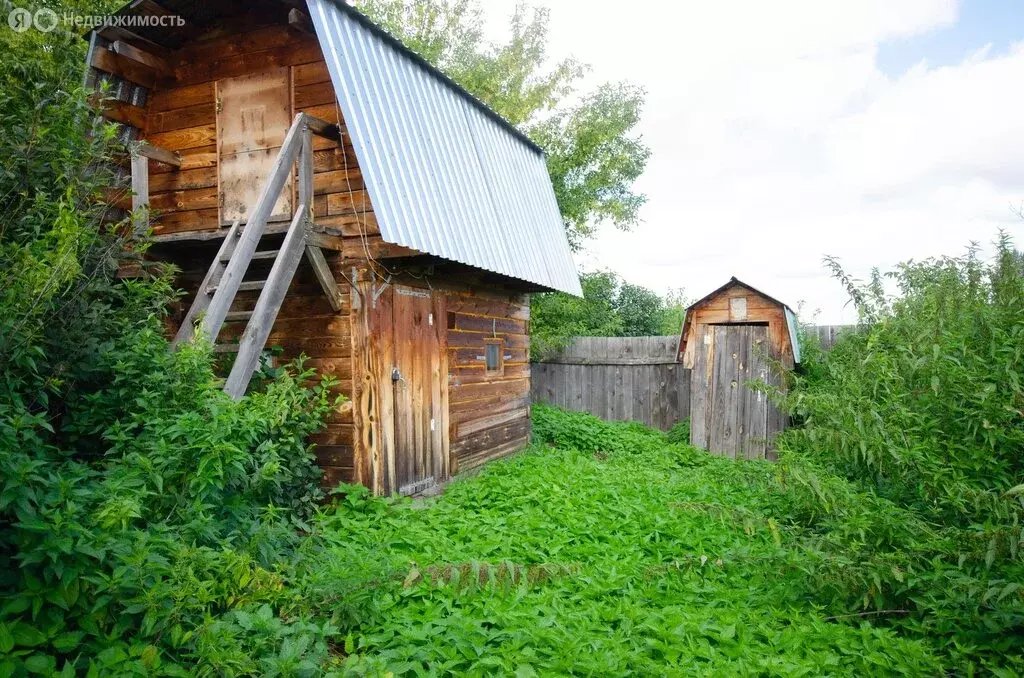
point(224, 279)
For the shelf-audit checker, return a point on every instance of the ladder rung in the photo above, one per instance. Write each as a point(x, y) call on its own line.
point(265, 254)
point(225, 348)
point(238, 315)
point(247, 286)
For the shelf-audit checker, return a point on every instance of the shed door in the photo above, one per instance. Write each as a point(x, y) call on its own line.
point(420, 371)
point(253, 117)
point(728, 417)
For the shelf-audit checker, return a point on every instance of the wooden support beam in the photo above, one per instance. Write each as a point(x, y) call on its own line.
point(316, 259)
point(140, 192)
point(323, 128)
point(305, 188)
point(123, 112)
point(317, 238)
point(122, 66)
point(314, 254)
point(132, 52)
point(159, 154)
point(299, 21)
point(119, 34)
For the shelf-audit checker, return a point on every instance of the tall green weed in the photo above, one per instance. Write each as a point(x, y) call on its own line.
point(922, 410)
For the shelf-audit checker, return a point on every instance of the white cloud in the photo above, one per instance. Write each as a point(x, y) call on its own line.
point(934, 126)
point(777, 140)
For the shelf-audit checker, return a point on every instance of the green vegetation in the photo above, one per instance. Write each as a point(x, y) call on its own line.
point(142, 511)
point(886, 539)
point(610, 307)
point(923, 410)
point(612, 552)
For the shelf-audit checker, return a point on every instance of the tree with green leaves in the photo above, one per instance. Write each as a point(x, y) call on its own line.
point(593, 152)
point(640, 310)
point(609, 307)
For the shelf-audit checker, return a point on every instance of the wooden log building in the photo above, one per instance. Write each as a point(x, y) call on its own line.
point(732, 336)
point(325, 190)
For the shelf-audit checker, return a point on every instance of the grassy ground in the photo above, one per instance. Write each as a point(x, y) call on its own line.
point(608, 554)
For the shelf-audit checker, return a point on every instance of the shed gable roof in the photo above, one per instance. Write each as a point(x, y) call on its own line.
point(790, 316)
point(446, 175)
point(733, 282)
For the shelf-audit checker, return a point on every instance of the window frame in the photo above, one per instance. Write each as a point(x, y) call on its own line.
point(499, 345)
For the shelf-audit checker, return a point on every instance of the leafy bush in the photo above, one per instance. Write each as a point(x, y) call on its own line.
point(922, 409)
point(586, 433)
point(151, 525)
point(609, 307)
point(143, 513)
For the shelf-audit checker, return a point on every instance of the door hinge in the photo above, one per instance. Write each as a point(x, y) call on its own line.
point(431, 424)
point(430, 319)
point(220, 104)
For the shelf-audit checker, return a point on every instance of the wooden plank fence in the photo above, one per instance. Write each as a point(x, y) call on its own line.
point(627, 378)
point(617, 378)
point(827, 334)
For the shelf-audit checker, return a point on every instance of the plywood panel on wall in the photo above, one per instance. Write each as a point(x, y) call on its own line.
point(253, 117)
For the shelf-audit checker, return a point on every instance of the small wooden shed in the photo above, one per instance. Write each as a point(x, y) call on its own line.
point(326, 191)
point(729, 338)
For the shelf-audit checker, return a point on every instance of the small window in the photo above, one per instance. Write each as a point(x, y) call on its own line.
point(737, 309)
point(494, 362)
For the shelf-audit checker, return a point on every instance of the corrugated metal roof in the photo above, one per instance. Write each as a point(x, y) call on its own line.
point(446, 175)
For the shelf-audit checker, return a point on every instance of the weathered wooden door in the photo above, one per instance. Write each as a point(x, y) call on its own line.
point(253, 117)
point(728, 416)
point(419, 379)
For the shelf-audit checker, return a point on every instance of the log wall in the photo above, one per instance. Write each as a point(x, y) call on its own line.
point(489, 414)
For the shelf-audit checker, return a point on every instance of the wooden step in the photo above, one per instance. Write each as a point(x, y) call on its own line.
point(247, 286)
point(225, 348)
point(234, 316)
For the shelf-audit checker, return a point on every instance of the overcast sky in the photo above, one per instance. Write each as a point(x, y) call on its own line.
point(784, 130)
